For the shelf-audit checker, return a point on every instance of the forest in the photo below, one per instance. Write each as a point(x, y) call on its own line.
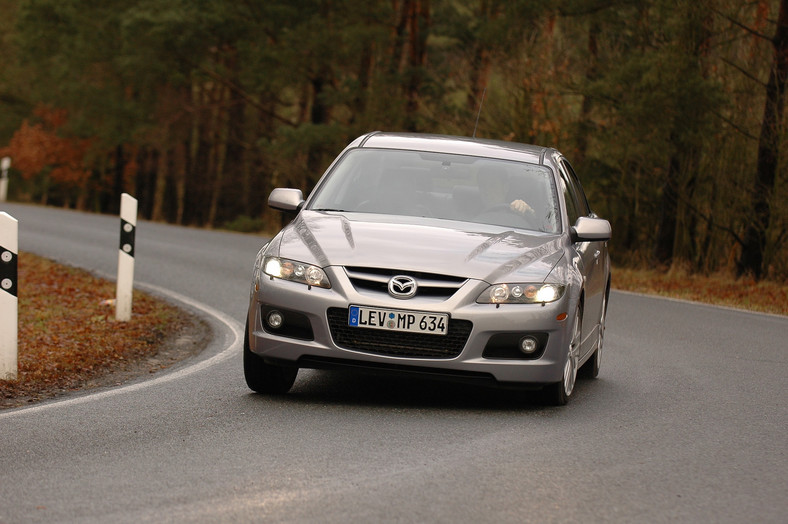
point(671, 111)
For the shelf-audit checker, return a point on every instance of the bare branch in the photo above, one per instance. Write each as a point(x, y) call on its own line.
point(781, 237)
point(731, 123)
point(708, 219)
point(592, 9)
point(238, 90)
point(742, 26)
point(745, 72)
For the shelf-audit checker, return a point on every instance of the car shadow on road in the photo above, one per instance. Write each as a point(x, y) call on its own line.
point(360, 388)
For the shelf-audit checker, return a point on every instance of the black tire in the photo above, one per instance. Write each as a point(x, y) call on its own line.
point(263, 377)
point(554, 395)
point(591, 368)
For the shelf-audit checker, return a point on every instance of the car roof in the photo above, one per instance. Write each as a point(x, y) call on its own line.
point(455, 145)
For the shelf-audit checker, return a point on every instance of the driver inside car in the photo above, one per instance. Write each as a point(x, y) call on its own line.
point(494, 189)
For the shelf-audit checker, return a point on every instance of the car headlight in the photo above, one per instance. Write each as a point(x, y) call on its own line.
point(521, 294)
point(295, 271)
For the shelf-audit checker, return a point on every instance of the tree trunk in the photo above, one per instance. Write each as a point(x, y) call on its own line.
point(666, 227)
point(366, 61)
point(120, 164)
point(751, 260)
point(319, 116)
point(481, 61)
point(194, 150)
point(398, 38)
point(162, 174)
point(218, 133)
point(236, 168)
point(675, 233)
point(419, 23)
point(584, 127)
point(179, 163)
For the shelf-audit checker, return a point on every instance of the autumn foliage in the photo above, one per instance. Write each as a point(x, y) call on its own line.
point(69, 338)
point(720, 290)
point(38, 147)
point(673, 113)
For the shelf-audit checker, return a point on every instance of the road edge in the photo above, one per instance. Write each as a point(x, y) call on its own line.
point(227, 339)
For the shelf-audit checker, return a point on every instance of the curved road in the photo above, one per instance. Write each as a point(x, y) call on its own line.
point(687, 421)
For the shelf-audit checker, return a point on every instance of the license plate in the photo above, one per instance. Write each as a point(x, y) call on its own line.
point(398, 320)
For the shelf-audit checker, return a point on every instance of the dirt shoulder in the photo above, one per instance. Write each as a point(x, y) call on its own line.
point(190, 339)
point(68, 339)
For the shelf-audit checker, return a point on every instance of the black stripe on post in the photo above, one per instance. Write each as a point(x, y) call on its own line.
point(8, 271)
point(127, 230)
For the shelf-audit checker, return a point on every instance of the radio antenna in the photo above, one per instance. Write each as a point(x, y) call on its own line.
point(479, 113)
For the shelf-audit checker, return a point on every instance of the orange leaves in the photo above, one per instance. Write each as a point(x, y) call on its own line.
point(52, 117)
point(27, 148)
point(768, 297)
point(39, 148)
point(68, 335)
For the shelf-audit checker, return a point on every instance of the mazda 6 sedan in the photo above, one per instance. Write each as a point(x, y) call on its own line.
point(447, 257)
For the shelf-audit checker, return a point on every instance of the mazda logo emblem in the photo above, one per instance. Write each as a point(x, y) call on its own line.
point(402, 286)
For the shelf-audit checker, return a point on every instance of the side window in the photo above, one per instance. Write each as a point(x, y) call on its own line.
point(572, 208)
point(582, 203)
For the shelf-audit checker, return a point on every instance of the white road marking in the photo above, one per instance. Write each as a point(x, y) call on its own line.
point(235, 327)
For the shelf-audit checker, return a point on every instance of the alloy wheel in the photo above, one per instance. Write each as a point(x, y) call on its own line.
point(570, 368)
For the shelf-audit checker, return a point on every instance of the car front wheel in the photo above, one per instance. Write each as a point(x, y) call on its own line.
point(263, 377)
point(559, 393)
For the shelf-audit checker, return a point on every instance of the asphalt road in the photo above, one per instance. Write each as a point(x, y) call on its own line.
point(686, 423)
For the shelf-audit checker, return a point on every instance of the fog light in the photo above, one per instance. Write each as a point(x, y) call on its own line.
point(275, 319)
point(528, 345)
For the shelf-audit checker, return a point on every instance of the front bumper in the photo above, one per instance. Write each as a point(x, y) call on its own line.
point(312, 344)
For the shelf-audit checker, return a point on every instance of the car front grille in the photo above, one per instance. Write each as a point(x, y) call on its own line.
point(375, 280)
point(397, 343)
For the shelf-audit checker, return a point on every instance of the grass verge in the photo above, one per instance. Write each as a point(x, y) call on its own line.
point(68, 338)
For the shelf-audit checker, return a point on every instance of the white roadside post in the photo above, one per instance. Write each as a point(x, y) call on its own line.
point(5, 165)
point(128, 225)
point(9, 250)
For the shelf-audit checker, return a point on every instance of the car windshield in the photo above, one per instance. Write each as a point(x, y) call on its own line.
point(445, 186)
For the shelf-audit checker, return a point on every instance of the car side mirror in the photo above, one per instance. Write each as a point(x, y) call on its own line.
point(591, 230)
point(286, 199)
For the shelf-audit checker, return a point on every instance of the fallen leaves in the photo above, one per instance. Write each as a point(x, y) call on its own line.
point(67, 332)
point(763, 296)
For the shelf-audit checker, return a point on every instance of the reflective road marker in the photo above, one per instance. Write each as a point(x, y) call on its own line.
point(9, 253)
point(128, 225)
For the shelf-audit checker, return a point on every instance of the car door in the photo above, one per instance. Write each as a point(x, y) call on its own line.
point(593, 255)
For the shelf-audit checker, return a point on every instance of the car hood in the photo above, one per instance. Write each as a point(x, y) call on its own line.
point(468, 250)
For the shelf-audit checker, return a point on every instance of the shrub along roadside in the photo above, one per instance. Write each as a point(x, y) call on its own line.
point(68, 337)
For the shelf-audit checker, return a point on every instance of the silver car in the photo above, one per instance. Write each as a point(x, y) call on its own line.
point(449, 257)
